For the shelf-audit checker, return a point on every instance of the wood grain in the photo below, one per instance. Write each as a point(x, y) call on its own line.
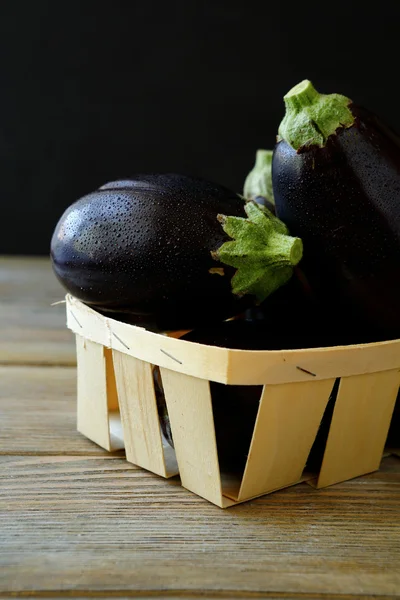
point(174, 595)
point(96, 394)
point(102, 524)
point(32, 331)
point(360, 424)
point(38, 412)
point(78, 522)
point(280, 427)
point(140, 421)
point(191, 417)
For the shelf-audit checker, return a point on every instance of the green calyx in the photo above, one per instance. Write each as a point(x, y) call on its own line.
point(259, 181)
point(262, 251)
point(312, 117)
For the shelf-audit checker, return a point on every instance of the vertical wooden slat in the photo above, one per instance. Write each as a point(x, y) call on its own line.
point(286, 426)
point(92, 392)
point(359, 426)
point(191, 417)
point(140, 422)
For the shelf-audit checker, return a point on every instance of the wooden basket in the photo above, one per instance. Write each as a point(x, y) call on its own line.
point(117, 405)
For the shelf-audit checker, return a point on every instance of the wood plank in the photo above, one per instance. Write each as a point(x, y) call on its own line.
point(140, 421)
point(38, 412)
point(359, 427)
point(97, 395)
point(92, 405)
point(32, 331)
point(220, 594)
point(100, 524)
point(191, 418)
point(180, 594)
point(26, 280)
point(285, 429)
point(189, 594)
point(93, 525)
point(35, 335)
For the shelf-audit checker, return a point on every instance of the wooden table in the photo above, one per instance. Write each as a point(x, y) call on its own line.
point(77, 521)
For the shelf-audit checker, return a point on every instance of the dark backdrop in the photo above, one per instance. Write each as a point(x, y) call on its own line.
point(93, 91)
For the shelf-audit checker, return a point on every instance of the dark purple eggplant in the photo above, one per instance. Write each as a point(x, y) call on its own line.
point(263, 201)
point(170, 251)
point(336, 181)
point(304, 321)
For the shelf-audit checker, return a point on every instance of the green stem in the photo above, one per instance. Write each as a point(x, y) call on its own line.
point(288, 250)
point(312, 117)
point(259, 180)
point(261, 250)
point(301, 95)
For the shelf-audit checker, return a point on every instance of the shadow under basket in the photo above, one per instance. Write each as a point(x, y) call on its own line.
point(117, 406)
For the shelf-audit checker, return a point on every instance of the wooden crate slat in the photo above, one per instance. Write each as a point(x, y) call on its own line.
point(285, 429)
point(140, 422)
point(192, 424)
point(359, 426)
point(92, 392)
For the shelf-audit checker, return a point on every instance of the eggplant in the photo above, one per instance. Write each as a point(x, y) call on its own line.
point(303, 320)
point(336, 182)
point(170, 251)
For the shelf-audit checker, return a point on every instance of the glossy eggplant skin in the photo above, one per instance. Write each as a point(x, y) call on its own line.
point(140, 250)
point(293, 317)
point(265, 202)
point(343, 200)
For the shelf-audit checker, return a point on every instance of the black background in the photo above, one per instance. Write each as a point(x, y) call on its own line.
point(92, 91)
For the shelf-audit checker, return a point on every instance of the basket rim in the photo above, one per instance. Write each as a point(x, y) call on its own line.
point(230, 365)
